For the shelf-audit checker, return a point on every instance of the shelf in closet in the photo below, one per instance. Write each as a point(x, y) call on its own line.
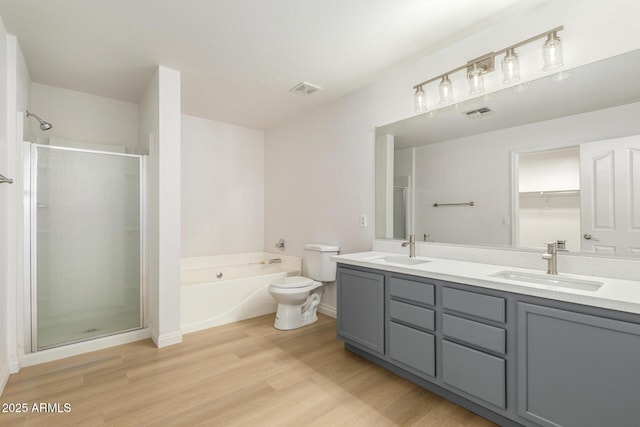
point(553, 193)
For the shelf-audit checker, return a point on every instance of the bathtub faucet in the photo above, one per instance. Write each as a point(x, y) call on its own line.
point(280, 244)
point(275, 261)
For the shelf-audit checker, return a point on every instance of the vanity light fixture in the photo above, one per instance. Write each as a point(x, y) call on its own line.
point(419, 100)
point(445, 90)
point(510, 67)
point(552, 52)
point(477, 68)
point(476, 79)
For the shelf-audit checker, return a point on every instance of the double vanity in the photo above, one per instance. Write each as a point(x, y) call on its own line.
point(514, 345)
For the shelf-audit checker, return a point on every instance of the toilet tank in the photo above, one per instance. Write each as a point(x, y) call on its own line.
point(319, 264)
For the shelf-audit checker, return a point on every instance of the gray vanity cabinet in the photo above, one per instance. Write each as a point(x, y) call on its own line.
point(576, 369)
point(474, 371)
point(515, 359)
point(361, 308)
point(412, 343)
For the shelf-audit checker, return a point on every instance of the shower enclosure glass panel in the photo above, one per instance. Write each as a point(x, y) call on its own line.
point(86, 244)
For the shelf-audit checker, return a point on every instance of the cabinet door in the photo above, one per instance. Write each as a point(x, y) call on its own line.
point(479, 374)
point(577, 370)
point(361, 308)
point(413, 348)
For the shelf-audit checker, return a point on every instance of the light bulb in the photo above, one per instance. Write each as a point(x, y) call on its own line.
point(476, 80)
point(510, 67)
point(419, 101)
point(446, 91)
point(552, 52)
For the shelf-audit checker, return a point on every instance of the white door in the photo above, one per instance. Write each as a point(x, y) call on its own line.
point(610, 195)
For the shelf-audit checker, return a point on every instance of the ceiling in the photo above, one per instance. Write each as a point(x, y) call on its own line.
point(237, 58)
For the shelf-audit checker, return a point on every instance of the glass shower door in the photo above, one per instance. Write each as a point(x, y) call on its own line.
point(86, 244)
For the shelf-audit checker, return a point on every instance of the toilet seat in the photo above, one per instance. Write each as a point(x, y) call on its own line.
point(292, 282)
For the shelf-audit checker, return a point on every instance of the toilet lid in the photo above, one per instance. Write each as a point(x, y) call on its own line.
point(292, 282)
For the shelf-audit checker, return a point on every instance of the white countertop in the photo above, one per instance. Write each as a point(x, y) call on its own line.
point(614, 294)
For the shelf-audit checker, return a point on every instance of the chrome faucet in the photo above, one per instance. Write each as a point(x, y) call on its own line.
point(412, 245)
point(562, 246)
point(552, 257)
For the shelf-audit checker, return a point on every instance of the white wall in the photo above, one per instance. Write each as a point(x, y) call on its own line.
point(319, 180)
point(319, 174)
point(16, 257)
point(14, 78)
point(4, 206)
point(160, 135)
point(83, 117)
point(169, 206)
point(222, 188)
point(148, 142)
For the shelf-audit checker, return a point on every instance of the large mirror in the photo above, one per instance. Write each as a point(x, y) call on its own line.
point(553, 159)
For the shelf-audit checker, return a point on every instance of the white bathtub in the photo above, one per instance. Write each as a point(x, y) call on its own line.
point(240, 293)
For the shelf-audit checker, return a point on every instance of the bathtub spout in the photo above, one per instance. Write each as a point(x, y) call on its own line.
point(275, 261)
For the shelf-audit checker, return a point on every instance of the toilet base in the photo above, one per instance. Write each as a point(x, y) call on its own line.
point(286, 324)
point(294, 316)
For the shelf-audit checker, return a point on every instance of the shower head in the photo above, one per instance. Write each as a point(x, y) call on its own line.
point(43, 125)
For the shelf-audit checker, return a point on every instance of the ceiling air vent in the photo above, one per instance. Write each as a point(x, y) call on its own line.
point(479, 112)
point(304, 88)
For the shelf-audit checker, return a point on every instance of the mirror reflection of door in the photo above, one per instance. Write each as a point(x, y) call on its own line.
point(611, 195)
point(549, 198)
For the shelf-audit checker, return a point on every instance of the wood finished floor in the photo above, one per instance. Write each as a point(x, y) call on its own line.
point(242, 374)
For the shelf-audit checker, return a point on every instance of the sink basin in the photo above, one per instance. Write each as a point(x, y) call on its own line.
point(550, 280)
point(401, 259)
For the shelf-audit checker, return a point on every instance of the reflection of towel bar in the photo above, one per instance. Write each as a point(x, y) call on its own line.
point(435, 205)
point(4, 179)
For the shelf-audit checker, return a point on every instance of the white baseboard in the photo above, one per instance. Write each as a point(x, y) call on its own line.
point(328, 310)
point(166, 340)
point(14, 364)
point(4, 377)
point(154, 336)
point(83, 347)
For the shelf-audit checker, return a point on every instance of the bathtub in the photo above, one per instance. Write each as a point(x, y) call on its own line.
point(216, 290)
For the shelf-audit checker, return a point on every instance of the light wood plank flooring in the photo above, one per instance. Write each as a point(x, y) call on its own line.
point(242, 374)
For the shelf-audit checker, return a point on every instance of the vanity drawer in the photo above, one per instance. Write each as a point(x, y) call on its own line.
point(412, 290)
point(479, 305)
point(413, 315)
point(474, 372)
point(413, 348)
point(479, 334)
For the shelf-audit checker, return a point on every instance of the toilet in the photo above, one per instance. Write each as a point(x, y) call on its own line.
point(298, 297)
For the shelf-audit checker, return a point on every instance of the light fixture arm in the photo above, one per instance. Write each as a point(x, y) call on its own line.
point(489, 58)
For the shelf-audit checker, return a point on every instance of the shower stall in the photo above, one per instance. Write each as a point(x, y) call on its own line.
point(84, 214)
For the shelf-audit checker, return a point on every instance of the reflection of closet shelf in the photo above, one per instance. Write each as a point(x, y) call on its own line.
point(555, 193)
